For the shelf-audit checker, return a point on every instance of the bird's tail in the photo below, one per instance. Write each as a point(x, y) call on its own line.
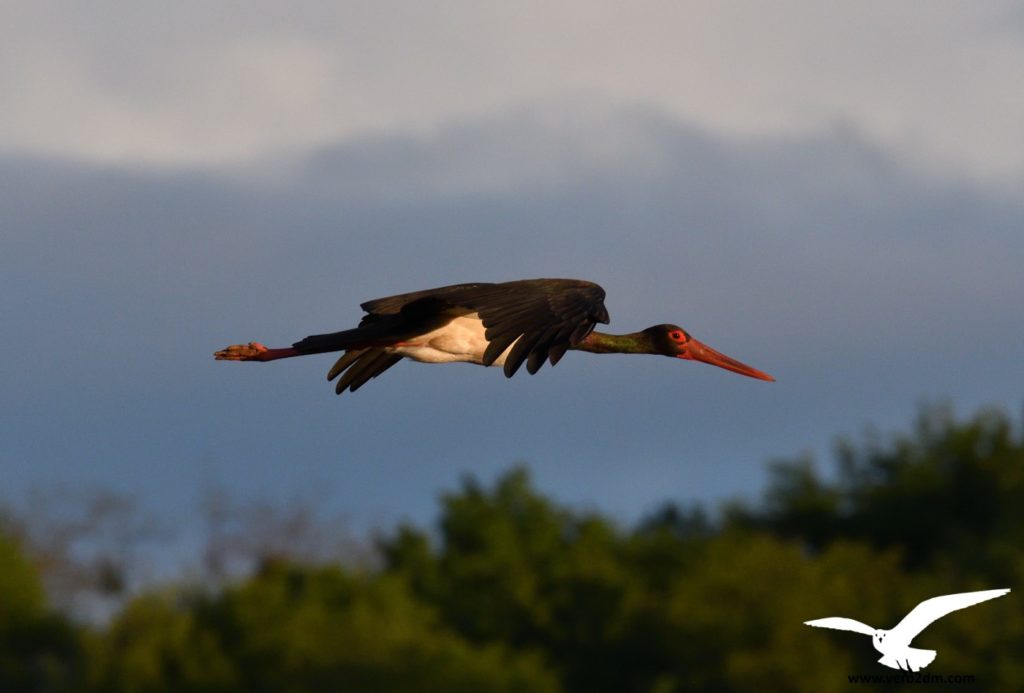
point(909, 659)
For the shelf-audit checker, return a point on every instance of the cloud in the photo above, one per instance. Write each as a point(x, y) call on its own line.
point(215, 84)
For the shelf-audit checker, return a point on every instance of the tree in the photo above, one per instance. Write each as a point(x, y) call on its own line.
point(949, 494)
point(38, 649)
point(514, 591)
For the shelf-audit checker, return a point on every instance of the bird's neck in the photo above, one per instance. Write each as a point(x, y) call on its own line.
point(601, 343)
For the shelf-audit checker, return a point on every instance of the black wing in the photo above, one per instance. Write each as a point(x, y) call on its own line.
point(367, 353)
point(546, 316)
point(359, 366)
point(390, 305)
point(541, 317)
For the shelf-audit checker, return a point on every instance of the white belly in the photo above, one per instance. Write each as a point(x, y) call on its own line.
point(461, 340)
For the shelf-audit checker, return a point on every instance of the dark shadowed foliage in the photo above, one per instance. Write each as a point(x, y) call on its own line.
point(514, 592)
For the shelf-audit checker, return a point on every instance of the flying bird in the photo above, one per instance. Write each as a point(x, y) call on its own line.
point(504, 324)
point(894, 644)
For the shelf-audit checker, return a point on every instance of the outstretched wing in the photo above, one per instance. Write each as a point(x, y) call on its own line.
point(930, 610)
point(390, 305)
point(538, 318)
point(840, 623)
point(541, 317)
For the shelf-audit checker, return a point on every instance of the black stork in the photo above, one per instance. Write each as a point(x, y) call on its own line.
point(505, 324)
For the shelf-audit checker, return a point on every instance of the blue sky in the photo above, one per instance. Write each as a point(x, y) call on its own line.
point(832, 197)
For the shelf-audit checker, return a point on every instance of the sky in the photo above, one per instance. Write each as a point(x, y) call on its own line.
point(828, 193)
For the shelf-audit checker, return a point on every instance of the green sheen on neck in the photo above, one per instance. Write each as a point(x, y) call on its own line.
point(601, 343)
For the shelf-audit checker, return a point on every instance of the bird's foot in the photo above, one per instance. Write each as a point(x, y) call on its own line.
point(253, 351)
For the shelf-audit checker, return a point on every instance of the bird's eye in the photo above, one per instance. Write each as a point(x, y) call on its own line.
point(677, 336)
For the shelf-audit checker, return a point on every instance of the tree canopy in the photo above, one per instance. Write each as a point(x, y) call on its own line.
point(512, 591)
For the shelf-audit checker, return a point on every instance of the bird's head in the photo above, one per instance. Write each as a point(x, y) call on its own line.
point(672, 340)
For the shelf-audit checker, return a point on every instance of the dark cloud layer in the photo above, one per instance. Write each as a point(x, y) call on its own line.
point(861, 284)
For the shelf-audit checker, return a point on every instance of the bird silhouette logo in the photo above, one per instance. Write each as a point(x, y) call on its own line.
point(894, 644)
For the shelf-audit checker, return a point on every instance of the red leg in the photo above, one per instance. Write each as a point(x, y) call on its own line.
point(254, 351)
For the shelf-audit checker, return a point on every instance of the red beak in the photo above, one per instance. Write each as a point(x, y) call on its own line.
point(697, 351)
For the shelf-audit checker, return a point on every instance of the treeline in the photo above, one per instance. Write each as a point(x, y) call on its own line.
point(513, 592)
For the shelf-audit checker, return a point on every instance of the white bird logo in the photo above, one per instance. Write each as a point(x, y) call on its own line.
point(894, 644)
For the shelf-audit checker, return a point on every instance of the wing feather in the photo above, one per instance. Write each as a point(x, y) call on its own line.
point(545, 316)
point(930, 610)
point(520, 352)
point(542, 318)
point(357, 367)
point(841, 623)
point(496, 347)
point(390, 305)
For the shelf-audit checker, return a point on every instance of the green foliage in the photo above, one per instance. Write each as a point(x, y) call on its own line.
point(514, 592)
point(946, 491)
point(158, 644)
point(39, 650)
point(21, 593)
point(294, 628)
point(297, 628)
